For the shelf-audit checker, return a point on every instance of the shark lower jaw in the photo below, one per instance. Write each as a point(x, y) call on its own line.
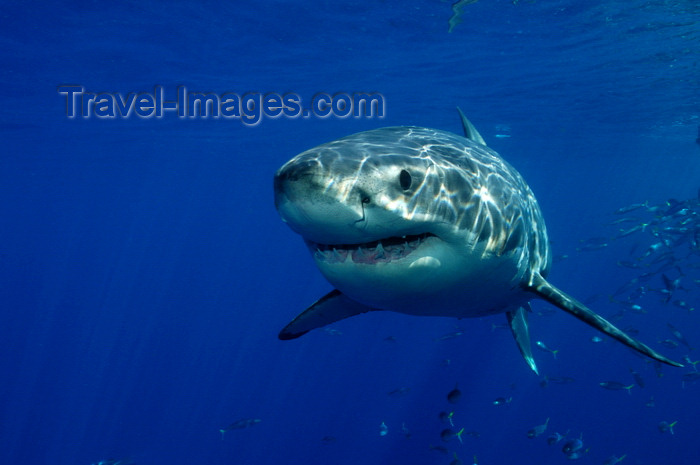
point(385, 250)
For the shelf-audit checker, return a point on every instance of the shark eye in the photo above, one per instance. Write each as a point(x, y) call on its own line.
point(405, 180)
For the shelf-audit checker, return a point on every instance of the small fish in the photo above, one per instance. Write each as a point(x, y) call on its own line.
point(671, 286)
point(670, 343)
point(556, 380)
point(449, 434)
point(594, 241)
point(590, 247)
point(667, 257)
point(446, 417)
point(240, 424)
point(400, 392)
point(615, 386)
point(457, 8)
point(612, 460)
point(406, 432)
point(391, 339)
point(644, 277)
point(691, 377)
point(383, 429)
point(631, 330)
point(676, 207)
point(554, 438)
point(638, 293)
point(543, 347)
point(683, 304)
point(651, 403)
point(596, 339)
point(637, 378)
point(456, 460)
point(625, 233)
point(537, 430)
point(332, 331)
point(631, 306)
point(577, 454)
point(679, 336)
point(628, 286)
point(665, 426)
point(502, 401)
point(617, 316)
point(451, 335)
point(441, 449)
point(545, 311)
point(652, 249)
point(624, 220)
point(572, 446)
point(628, 264)
point(454, 395)
point(658, 369)
point(655, 208)
point(328, 439)
point(629, 208)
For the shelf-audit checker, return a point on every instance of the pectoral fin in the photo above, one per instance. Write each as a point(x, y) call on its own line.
point(517, 320)
point(330, 308)
point(570, 305)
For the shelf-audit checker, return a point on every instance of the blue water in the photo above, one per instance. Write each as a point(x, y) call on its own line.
point(145, 274)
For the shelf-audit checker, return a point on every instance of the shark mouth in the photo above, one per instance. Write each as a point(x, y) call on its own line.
point(369, 253)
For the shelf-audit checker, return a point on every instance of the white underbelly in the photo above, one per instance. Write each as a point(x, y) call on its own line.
point(434, 282)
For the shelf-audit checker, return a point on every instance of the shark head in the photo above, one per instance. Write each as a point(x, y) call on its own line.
point(395, 216)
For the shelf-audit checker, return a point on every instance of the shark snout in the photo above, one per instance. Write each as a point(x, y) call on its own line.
point(308, 201)
point(294, 180)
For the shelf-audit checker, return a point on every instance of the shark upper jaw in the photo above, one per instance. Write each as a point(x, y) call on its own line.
point(387, 250)
point(338, 234)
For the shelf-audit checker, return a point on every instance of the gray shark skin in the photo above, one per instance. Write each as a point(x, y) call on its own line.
point(423, 222)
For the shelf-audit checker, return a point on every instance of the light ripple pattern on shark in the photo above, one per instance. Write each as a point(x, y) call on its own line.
point(423, 222)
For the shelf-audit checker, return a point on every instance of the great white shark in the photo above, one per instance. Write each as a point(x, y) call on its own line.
point(423, 222)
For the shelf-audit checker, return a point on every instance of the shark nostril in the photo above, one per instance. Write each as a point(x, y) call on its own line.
point(279, 182)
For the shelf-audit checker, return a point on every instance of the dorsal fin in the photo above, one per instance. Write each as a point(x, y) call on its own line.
point(470, 131)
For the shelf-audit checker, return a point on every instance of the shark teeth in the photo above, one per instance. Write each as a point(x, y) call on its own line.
point(340, 255)
point(380, 254)
point(382, 251)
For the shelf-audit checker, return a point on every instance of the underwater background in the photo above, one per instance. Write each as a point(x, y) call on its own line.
point(145, 274)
